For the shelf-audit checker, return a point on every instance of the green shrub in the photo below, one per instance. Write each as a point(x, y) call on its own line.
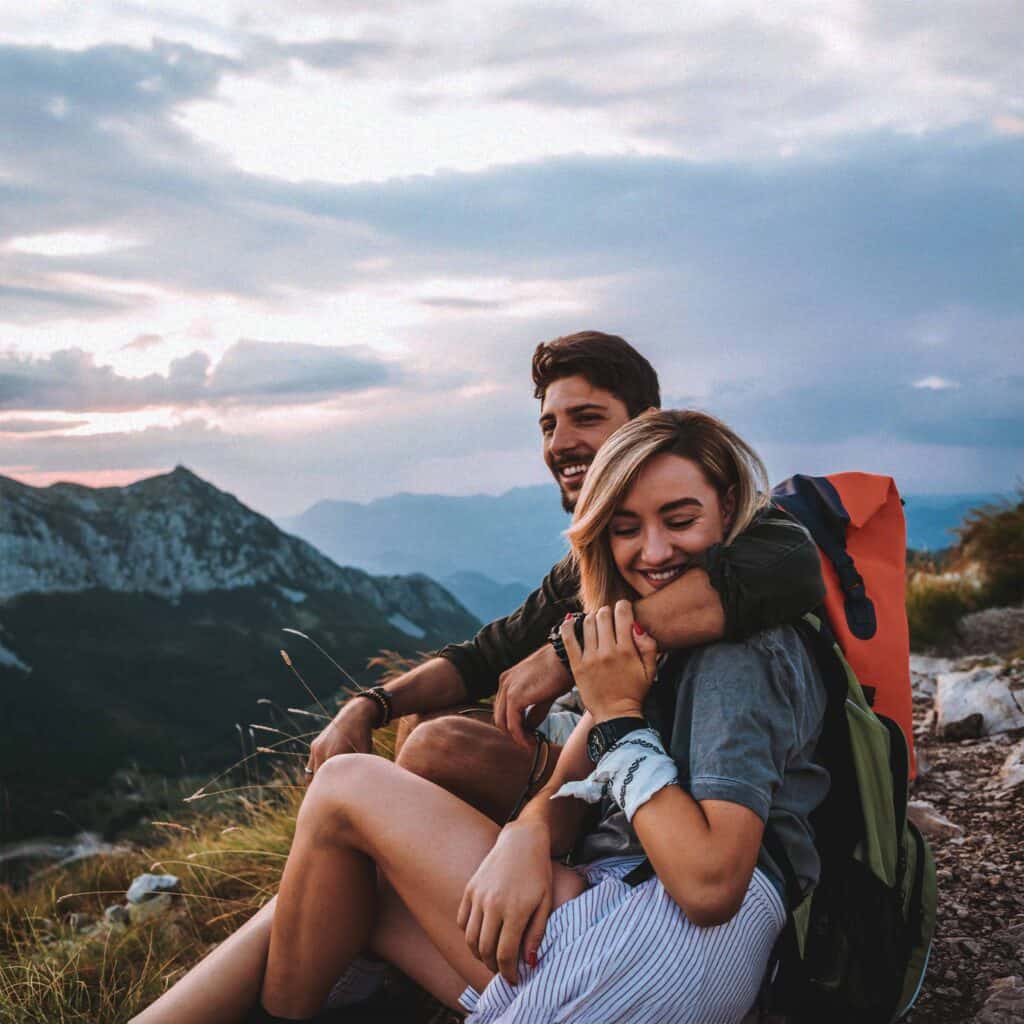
point(934, 605)
point(993, 537)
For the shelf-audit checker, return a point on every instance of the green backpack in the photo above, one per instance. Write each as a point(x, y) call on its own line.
point(855, 950)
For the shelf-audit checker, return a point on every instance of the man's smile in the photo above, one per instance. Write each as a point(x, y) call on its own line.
point(573, 472)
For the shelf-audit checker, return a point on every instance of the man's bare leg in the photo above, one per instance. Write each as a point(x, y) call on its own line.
point(468, 756)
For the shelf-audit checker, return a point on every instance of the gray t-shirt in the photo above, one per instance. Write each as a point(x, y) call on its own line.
point(757, 713)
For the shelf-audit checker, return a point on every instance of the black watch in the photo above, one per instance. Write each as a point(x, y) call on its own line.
point(605, 735)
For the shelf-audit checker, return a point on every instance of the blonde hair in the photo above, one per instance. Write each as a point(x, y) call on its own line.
point(728, 463)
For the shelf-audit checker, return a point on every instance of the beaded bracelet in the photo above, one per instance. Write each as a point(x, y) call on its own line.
point(382, 699)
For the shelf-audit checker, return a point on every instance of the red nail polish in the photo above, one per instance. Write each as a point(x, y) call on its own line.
point(638, 629)
point(531, 958)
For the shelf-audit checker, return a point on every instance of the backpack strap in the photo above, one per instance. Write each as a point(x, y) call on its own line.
point(813, 501)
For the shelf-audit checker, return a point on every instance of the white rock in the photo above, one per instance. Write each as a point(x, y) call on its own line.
point(155, 907)
point(923, 672)
point(147, 887)
point(1011, 774)
point(981, 691)
point(932, 824)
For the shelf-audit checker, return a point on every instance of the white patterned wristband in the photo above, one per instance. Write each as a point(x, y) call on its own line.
point(630, 773)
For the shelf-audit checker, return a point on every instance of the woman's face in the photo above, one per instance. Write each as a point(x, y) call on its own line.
point(669, 515)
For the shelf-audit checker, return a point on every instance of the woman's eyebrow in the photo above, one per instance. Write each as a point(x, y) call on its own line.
point(671, 506)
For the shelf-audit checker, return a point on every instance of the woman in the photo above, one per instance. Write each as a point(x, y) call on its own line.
point(486, 919)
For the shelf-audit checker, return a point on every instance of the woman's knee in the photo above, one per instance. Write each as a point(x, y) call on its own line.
point(341, 783)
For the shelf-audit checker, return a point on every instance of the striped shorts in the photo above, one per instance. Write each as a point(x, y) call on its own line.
point(623, 954)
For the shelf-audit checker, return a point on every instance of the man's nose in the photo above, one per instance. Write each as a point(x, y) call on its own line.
point(563, 438)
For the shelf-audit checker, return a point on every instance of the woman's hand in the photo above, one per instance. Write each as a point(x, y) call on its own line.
point(615, 668)
point(507, 901)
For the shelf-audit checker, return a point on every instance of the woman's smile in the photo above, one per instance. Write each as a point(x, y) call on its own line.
point(660, 577)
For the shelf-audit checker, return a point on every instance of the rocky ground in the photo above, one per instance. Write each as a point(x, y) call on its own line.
point(969, 799)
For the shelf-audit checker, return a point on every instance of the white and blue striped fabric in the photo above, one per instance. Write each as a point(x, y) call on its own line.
point(622, 954)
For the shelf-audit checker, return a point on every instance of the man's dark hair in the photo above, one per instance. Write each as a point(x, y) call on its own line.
point(605, 360)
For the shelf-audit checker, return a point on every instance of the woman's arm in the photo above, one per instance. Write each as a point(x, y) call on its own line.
point(562, 818)
point(703, 853)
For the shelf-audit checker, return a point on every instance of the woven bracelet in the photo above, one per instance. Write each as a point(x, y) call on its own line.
point(382, 699)
point(555, 639)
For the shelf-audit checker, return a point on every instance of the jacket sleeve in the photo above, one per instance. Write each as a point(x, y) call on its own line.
point(505, 642)
point(769, 575)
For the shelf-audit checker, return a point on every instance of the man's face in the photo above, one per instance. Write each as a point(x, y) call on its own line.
point(576, 418)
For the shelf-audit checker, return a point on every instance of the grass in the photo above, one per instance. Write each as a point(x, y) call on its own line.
point(228, 845)
point(935, 603)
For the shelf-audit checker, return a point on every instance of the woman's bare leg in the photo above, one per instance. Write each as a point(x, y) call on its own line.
point(361, 810)
point(222, 988)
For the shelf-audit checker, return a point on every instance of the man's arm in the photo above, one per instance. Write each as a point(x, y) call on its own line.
point(461, 672)
point(434, 685)
point(507, 641)
point(770, 574)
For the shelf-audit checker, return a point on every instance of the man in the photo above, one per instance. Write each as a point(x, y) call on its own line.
point(589, 384)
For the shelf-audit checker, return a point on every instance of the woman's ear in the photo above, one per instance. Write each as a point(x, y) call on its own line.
point(728, 508)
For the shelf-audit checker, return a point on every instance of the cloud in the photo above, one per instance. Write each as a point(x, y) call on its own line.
point(935, 383)
point(284, 370)
point(17, 426)
point(143, 343)
point(266, 373)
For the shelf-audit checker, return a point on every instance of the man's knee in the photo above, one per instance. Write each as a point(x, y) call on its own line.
point(437, 748)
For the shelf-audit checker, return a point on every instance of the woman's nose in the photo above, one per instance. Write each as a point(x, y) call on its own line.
point(657, 547)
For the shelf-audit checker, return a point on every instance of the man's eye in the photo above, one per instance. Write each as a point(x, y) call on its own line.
point(547, 428)
point(588, 420)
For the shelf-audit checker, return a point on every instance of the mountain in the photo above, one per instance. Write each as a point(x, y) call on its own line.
point(139, 624)
point(485, 598)
point(932, 518)
point(512, 537)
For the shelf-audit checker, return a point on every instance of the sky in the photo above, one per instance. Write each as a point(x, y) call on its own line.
point(308, 250)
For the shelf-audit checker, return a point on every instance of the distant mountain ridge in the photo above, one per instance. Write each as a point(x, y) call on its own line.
point(513, 537)
point(138, 624)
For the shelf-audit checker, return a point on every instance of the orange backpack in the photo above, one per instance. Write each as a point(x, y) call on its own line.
point(856, 519)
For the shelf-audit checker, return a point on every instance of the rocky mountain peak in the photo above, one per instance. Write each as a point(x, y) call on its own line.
point(171, 534)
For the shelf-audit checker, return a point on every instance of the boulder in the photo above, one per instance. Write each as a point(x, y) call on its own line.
point(984, 691)
point(923, 673)
point(1005, 1002)
point(993, 629)
point(147, 887)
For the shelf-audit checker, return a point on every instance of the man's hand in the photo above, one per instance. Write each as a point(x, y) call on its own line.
point(507, 901)
point(536, 680)
point(349, 733)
